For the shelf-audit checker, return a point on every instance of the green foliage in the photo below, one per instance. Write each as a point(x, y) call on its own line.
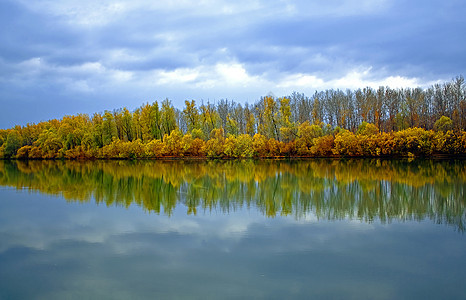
point(240, 147)
point(210, 119)
point(109, 130)
point(168, 118)
point(250, 122)
point(306, 135)
point(443, 124)
point(50, 143)
point(269, 125)
point(231, 127)
point(367, 129)
point(12, 144)
point(3, 136)
point(191, 115)
point(197, 133)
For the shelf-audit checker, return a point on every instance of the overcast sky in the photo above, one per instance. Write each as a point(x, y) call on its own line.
point(68, 57)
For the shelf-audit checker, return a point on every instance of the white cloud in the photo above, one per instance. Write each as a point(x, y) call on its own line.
point(122, 76)
point(177, 76)
point(84, 13)
point(234, 74)
point(400, 82)
point(86, 68)
point(81, 86)
point(122, 55)
point(342, 8)
point(89, 13)
point(300, 80)
point(353, 79)
point(360, 78)
point(220, 80)
point(216, 77)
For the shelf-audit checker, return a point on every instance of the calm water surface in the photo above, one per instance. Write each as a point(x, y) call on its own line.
point(361, 229)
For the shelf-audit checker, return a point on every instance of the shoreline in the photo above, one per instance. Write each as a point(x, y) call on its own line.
point(438, 156)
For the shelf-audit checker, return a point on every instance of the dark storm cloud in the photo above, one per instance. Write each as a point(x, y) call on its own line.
point(25, 34)
point(405, 37)
point(111, 52)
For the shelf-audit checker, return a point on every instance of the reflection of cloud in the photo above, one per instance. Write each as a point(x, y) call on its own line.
point(98, 224)
point(88, 223)
point(112, 252)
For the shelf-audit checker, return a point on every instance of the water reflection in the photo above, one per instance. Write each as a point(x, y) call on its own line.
point(329, 189)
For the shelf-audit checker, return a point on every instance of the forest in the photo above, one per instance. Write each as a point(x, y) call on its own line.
point(367, 122)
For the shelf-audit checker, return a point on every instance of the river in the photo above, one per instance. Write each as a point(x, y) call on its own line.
point(243, 229)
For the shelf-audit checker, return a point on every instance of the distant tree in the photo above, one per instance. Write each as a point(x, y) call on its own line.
point(223, 109)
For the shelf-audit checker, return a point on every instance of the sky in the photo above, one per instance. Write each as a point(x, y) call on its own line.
point(67, 57)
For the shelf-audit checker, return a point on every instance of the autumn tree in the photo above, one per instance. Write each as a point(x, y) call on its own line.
point(306, 135)
point(73, 129)
point(12, 144)
point(288, 129)
point(231, 126)
point(317, 110)
point(250, 121)
point(443, 124)
point(191, 115)
point(269, 125)
point(156, 121)
point(215, 145)
point(109, 131)
point(168, 118)
point(223, 109)
point(414, 99)
point(392, 106)
point(237, 114)
point(127, 128)
point(209, 119)
point(367, 129)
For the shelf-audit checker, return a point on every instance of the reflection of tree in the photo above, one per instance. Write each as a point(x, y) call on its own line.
point(331, 189)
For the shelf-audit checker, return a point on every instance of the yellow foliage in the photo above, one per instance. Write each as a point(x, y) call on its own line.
point(259, 144)
point(154, 148)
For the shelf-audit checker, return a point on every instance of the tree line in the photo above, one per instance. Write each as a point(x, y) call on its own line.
point(364, 122)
